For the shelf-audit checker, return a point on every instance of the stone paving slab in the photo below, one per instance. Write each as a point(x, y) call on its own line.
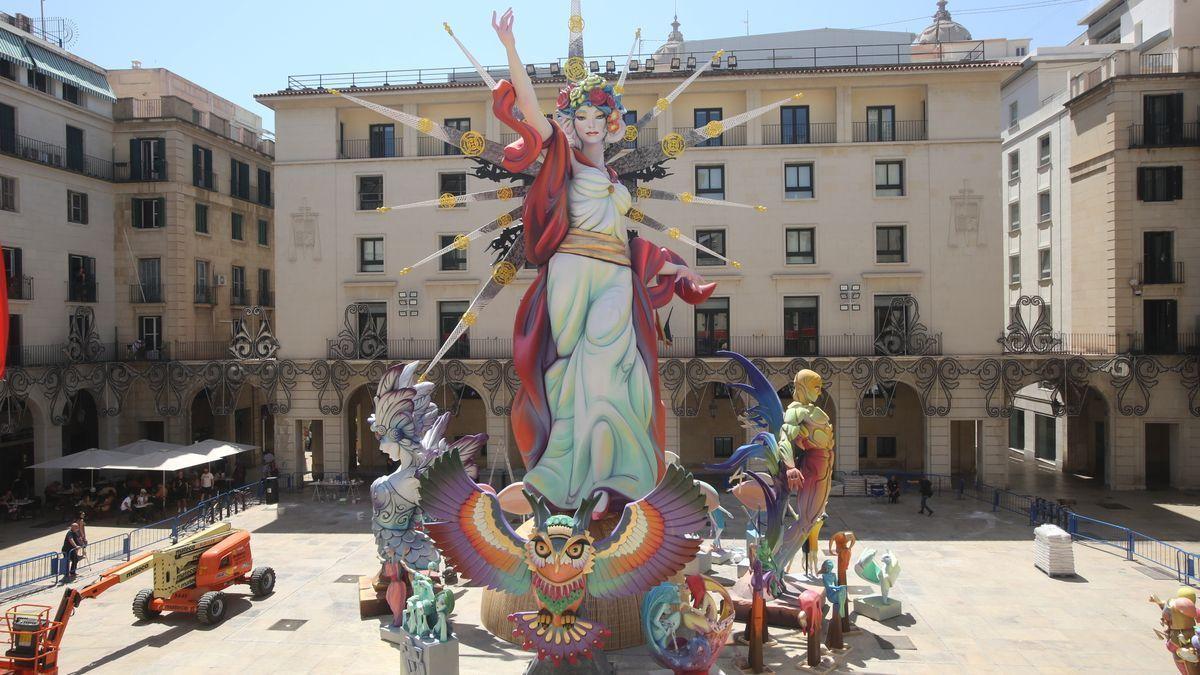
point(973, 602)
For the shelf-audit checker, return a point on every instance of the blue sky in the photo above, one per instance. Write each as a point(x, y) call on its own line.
point(238, 49)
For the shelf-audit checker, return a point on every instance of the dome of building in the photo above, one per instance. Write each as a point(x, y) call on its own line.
point(943, 28)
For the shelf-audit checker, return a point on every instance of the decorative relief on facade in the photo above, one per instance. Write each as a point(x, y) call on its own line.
point(83, 342)
point(966, 210)
point(306, 234)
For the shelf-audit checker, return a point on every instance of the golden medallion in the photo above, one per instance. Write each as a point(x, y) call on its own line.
point(504, 194)
point(472, 143)
point(405, 270)
point(468, 319)
point(631, 133)
point(504, 272)
point(635, 215)
point(461, 242)
point(760, 208)
point(714, 128)
point(673, 145)
point(673, 233)
point(686, 197)
point(643, 192)
point(424, 125)
point(447, 201)
point(575, 69)
point(504, 220)
point(575, 23)
point(661, 104)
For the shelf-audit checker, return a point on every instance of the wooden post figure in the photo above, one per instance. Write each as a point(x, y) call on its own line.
point(839, 546)
point(756, 627)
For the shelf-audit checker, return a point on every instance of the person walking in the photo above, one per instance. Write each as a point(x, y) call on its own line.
point(926, 487)
point(72, 550)
point(206, 482)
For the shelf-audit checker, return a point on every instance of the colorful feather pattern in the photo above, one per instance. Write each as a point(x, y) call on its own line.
point(470, 529)
point(767, 413)
point(650, 542)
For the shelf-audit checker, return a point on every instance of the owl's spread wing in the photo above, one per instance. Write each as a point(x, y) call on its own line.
point(470, 529)
point(649, 543)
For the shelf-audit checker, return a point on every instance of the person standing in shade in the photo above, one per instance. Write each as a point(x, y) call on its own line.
point(72, 549)
point(926, 487)
point(206, 482)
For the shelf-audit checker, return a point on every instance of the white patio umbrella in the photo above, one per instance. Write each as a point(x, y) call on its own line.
point(164, 461)
point(145, 447)
point(215, 449)
point(91, 459)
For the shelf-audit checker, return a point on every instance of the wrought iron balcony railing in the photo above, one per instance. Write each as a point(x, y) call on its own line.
point(1163, 343)
point(239, 296)
point(205, 179)
point(266, 298)
point(126, 173)
point(145, 292)
point(799, 134)
point(732, 137)
point(204, 294)
point(1164, 135)
point(1161, 273)
point(367, 148)
point(884, 132)
point(56, 156)
point(20, 288)
point(82, 291)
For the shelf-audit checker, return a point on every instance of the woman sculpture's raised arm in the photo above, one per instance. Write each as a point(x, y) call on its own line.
point(526, 98)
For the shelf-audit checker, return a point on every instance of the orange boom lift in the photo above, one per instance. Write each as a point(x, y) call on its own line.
point(189, 576)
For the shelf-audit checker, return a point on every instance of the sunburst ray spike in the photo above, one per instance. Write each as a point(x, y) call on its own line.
point(641, 218)
point(689, 198)
point(447, 201)
point(501, 222)
point(575, 27)
point(619, 87)
point(664, 103)
point(483, 73)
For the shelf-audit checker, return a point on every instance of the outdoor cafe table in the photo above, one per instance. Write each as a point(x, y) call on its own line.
point(335, 490)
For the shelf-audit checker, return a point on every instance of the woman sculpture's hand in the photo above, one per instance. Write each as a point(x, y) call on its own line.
point(503, 28)
point(686, 274)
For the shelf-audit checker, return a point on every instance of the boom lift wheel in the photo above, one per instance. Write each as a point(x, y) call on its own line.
point(141, 605)
point(262, 581)
point(211, 608)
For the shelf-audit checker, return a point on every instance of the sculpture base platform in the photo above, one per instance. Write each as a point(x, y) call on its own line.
point(370, 601)
point(785, 612)
point(720, 556)
point(701, 564)
point(422, 657)
point(597, 665)
point(874, 607)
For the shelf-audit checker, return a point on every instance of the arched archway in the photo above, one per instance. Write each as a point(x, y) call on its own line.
point(363, 456)
point(203, 420)
point(714, 433)
point(17, 447)
point(1088, 438)
point(892, 437)
point(468, 413)
point(82, 428)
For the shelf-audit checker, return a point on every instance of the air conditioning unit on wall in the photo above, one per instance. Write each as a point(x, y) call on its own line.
point(220, 281)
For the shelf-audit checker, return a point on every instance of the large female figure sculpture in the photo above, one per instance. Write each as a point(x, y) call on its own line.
point(588, 416)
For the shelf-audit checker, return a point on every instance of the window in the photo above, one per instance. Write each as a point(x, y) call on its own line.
point(204, 289)
point(1022, 51)
point(372, 320)
point(264, 288)
point(454, 260)
point(77, 207)
point(1043, 206)
point(1014, 165)
point(14, 275)
point(710, 181)
point(885, 447)
point(370, 254)
point(889, 178)
point(147, 159)
point(239, 179)
point(264, 187)
point(800, 325)
point(713, 239)
point(74, 148)
point(881, 123)
point(891, 328)
point(448, 315)
point(1014, 216)
point(1044, 150)
point(1158, 258)
point(800, 244)
point(149, 213)
point(202, 218)
point(889, 244)
point(8, 193)
point(798, 181)
point(150, 332)
point(1045, 264)
point(202, 168)
point(722, 446)
point(702, 116)
point(1044, 442)
point(1016, 429)
point(149, 274)
point(382, 140)
point(1159, 183)
point(460, 123)
point(370, 192)
point(1014, 113)
point(82, 278)
point(712, 326)
point(1014, 269)
point(38, 81)
point(70, 93)
point(452, 184)
point(1162, 116)
point(235, 227)
point(8, 69)
point(793, 124)
point(264, 232)
point(237, 287)
point(862, 447)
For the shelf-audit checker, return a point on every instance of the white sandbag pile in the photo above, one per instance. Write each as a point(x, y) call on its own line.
point(1052, 552)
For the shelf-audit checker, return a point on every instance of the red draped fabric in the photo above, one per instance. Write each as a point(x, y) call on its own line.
point(546, 222)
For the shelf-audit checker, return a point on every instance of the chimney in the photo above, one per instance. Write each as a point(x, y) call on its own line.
point(136, 64)
point(24, 23)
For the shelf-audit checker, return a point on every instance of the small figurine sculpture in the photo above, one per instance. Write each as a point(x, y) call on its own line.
point(717, 518)
point(839, 546)
point(416, 615)
point(667, 606)
point(834, 592)
point(882, 569)
point(560, 561)
point(443, 607)
point(410, 431)
point(812, 545)
point(1180, 633)
point(396, 574)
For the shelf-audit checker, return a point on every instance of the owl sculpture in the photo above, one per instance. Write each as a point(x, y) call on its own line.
point(561, 561)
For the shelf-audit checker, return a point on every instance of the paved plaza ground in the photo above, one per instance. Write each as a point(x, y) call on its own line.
point(973, 601)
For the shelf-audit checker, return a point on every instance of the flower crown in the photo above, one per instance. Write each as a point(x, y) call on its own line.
point(593, 91)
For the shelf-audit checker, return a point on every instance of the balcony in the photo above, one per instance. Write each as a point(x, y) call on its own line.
point(266, 298)
point(239, 295)
point(203, 350)
point(366, 148)
point(886, 132)
point(145, 292)
point(1162, 273)
point(1164, 135)
point(428, 146)
point(1081, 344)
point(204, 294)
point(82, 290)
point(125, 173)
point(173, 107)
point(206, 180)
point(1164, 344)
point(56, 156)
point(815, 132)
point(20, 288)
point(767, 346)
point(732, 137)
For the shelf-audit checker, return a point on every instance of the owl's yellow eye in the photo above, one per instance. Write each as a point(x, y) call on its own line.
point(575, 550)
point(542, 549)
